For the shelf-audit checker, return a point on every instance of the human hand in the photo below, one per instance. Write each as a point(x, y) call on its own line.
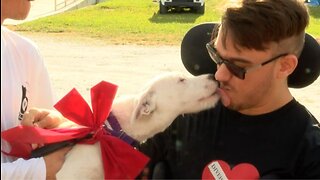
point(46, 119)
point(42, 118)
point(54, 162)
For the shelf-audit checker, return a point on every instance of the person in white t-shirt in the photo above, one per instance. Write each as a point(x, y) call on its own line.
point(24, 84)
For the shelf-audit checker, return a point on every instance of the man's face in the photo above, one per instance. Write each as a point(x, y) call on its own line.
point(255, 90)
point(14, 9)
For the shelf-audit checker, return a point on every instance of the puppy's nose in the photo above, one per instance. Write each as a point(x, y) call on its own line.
point(211, 77)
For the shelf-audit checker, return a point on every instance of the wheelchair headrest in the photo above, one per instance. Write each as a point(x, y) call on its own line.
point(197, 61)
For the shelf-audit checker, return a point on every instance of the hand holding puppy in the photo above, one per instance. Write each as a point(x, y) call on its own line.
point(45, 118)
point(48, 119)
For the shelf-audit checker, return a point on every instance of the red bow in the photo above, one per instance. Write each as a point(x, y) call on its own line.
point(120, 160)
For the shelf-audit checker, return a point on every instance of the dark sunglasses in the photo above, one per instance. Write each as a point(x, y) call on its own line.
point(234, 69)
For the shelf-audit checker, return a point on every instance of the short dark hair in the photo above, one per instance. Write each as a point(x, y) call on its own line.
point(257, 23)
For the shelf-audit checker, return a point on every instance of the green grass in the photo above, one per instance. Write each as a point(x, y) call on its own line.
point(314, 25)
point(135, 22)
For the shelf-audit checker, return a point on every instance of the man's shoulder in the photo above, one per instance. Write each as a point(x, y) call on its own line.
point(301, 114)
point(15, 43)
point(12, 36)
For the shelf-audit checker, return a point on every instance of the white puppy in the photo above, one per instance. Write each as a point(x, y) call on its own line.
point(144, 115)
point(164, 98)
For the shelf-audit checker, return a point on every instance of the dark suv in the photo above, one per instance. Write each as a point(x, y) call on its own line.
point(197, 5)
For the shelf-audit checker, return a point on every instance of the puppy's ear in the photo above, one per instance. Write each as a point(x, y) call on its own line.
point(145, 106)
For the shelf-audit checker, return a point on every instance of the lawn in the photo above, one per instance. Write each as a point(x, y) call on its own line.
point(136, 22)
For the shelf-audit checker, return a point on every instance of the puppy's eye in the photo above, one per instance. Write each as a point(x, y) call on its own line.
point(182, 80)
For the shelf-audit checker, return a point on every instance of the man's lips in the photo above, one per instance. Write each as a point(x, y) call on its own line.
point(224, 97)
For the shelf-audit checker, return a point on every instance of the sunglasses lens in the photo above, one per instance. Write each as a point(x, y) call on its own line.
point(235, 70)
point(213, 55)
point(216, 59)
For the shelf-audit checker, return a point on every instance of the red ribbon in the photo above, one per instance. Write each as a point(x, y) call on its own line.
point(120, 160)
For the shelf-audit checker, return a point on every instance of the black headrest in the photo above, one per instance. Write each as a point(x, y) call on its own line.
point(197, 61)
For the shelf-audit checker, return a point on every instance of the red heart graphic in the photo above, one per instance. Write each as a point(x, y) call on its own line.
point(221, 170)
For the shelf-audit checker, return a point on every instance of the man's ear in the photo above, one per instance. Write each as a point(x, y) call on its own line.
point(145, 106)
point(287, 65)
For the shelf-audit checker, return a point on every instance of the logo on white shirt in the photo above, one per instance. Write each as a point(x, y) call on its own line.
point(24, 103)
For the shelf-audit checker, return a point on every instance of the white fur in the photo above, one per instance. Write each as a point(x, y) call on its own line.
point(144, 115)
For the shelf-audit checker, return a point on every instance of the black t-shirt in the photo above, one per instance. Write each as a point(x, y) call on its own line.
point(283, 144)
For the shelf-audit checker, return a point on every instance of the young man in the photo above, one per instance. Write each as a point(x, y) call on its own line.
point(24, 84)
point(258, 121)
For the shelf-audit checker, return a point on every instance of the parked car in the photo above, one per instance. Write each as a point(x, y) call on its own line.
point(197, 5)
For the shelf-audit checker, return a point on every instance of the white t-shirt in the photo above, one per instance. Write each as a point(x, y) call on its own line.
point(24, 84)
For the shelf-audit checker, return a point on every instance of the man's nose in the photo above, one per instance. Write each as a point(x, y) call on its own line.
point(222, 74)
